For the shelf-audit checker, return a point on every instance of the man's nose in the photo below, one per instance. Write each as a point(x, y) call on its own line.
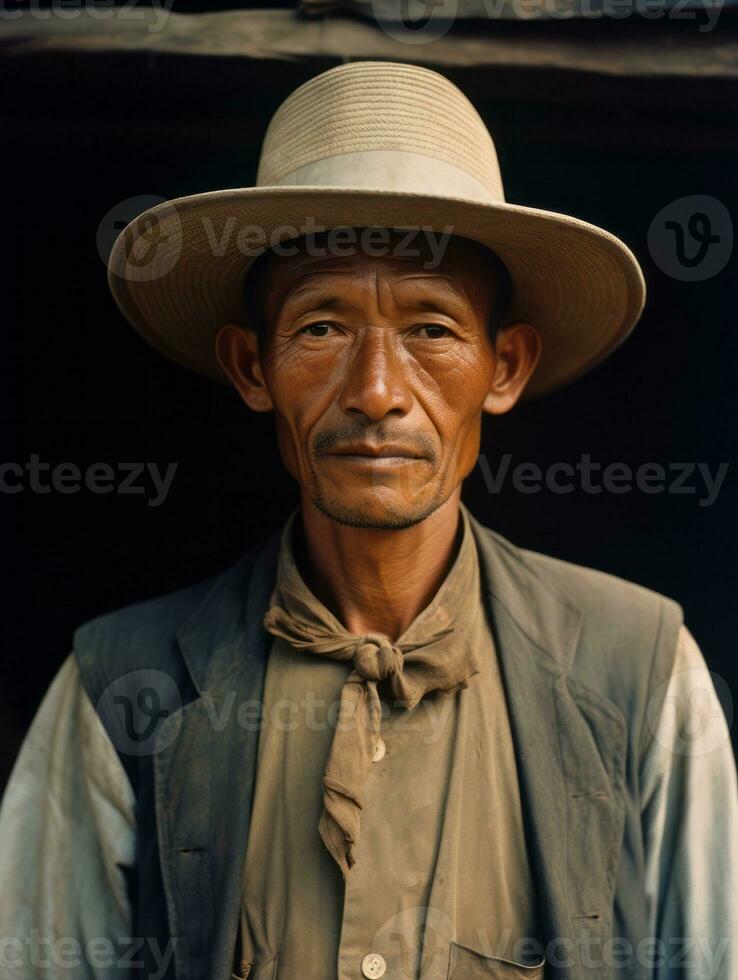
point(376, 381)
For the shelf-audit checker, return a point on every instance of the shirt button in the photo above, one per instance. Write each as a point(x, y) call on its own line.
point(373, 966)
point(379, 749)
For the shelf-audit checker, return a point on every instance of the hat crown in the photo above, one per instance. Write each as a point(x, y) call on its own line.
point(385, 126)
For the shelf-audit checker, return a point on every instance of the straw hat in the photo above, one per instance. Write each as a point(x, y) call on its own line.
point(373, 144)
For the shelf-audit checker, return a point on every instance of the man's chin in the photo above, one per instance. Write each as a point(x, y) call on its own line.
point(381, 512)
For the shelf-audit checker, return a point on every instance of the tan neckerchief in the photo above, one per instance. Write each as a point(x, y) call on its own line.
point(430, 655)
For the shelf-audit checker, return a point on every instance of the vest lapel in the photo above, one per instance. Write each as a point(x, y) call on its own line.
point(570, 749)
point(205, 768)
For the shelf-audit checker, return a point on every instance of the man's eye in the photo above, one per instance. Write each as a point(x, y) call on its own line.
point(433, 331)
point(317, 329)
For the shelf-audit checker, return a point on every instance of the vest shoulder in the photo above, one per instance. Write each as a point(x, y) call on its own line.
point(143, 635)
point(595, 591)
point(145, 620)
point(626, 634)
point(601, 594)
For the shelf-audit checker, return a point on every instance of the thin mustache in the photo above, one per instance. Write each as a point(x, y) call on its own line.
point(328, 442)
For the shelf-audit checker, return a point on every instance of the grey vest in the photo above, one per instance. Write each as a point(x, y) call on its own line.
point(584, 658)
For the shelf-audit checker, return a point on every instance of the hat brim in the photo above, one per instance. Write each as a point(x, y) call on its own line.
point(176, 271)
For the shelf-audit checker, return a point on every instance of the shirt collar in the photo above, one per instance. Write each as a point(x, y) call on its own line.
point(453, 602)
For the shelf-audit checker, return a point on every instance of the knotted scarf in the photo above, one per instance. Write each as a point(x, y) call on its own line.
point(424, 659)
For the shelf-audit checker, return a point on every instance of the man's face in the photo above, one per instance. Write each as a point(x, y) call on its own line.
point(378, 369)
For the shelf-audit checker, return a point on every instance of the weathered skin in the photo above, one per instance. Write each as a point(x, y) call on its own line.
point(378, 371)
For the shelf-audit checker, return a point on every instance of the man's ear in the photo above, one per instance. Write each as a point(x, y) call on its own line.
point(237, 350)
point(518, 349)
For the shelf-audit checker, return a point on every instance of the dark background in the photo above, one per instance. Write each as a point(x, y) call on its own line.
point(83, 132)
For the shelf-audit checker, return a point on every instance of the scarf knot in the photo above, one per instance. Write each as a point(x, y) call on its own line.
point(375, 657)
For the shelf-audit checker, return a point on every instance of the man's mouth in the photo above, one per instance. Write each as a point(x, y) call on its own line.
point(385, 455)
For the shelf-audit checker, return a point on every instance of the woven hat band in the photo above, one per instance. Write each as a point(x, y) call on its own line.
point(392, 170)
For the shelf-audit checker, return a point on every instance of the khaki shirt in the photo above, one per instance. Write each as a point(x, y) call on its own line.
point(441, 887)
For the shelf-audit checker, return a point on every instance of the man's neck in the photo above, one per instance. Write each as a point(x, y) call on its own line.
point(376, 580)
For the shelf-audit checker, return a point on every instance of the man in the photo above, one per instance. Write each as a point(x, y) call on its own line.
point(389, 743)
